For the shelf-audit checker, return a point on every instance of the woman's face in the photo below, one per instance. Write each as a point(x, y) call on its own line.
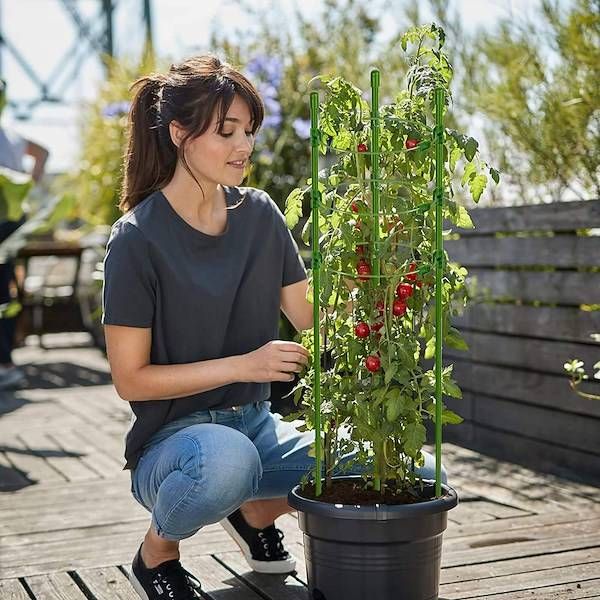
point(210, 155)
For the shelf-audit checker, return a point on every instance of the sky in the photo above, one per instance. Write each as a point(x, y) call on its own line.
point(181, 28)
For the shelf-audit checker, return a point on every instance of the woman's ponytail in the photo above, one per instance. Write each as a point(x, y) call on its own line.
point(151, 155)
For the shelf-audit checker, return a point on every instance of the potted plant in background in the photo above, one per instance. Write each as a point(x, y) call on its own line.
point(378, 266)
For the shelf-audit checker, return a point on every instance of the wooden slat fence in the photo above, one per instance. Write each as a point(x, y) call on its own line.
point(536, 271)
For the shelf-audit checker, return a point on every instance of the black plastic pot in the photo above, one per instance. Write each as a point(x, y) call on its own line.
point(382, 552)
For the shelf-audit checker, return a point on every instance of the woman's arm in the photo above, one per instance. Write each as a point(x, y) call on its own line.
point(40, 156)
point(135, 379)
point(298, 309)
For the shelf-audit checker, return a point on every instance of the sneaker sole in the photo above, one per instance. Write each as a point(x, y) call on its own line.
point(260, 566)
point(137, 586)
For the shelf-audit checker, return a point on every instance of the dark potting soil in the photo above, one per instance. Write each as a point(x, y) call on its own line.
point(352, 492)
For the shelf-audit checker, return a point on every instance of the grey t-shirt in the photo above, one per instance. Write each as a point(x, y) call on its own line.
point(204, 296)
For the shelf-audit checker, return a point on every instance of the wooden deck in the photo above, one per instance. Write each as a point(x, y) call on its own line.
point(69, 527)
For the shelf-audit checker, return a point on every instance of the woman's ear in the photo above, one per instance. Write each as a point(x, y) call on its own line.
point(176, 132)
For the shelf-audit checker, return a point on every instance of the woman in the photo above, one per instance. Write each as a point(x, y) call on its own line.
point(196, 273)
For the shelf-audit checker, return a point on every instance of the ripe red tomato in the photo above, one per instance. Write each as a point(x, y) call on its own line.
point(373, 363)
point(362, 148)
point(364, 270)
point(379, 305)
point(411, 143)
point(377, 325)
point(404, 291)
point(362, 330)
point(412, 272)
point(354, 207)
point(398, 308)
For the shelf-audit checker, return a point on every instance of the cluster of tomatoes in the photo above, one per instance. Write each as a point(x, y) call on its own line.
point(404, 289)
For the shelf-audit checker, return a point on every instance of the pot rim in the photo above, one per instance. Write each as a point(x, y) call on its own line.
point(375, 512)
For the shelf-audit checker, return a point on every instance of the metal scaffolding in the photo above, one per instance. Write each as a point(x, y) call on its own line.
point(93, 37)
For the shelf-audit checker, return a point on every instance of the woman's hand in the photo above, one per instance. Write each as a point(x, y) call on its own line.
point(277, 360)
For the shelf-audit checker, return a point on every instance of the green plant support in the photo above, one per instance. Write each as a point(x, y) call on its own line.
point(438, 197)
point(439, 270)
point(316, 269)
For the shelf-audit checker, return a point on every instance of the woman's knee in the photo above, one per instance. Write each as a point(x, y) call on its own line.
point(221, 457)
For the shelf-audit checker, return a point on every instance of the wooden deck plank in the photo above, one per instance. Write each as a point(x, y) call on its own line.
point(67, 463)
point(35, 467)
point(513, 475)
point(107, 583)
point(55, 586)
point(519, 565)
point(516, 524)
point(469, 512)
point(550, 531)
point(11, 589)
point(110, 444)
point(118, 549)
point(214, 577)
point(517, 582)
point(92, 512)
point(278, 587)
point(451, 558)
point(11, 478)
point(565, 591)
point(96, 460)
point(46, 494)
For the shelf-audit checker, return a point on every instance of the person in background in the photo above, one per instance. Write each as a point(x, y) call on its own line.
point(13, 149)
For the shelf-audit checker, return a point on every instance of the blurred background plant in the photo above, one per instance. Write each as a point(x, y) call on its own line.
point(95, 183)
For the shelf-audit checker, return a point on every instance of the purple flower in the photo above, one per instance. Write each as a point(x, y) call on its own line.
point(267, 68)
point(116, 109)
point(272, 121)
point(302, 128)
point(271, 105)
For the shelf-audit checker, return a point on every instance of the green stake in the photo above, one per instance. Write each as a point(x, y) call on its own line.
point(316, 269)
point(378, 474)
point(439, 269)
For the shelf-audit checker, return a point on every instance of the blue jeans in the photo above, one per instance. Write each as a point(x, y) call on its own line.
point(198, 469)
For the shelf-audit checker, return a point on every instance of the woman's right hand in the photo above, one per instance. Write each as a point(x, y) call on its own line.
point(277, 360)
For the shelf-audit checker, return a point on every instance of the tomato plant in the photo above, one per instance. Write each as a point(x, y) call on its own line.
point(380, 387)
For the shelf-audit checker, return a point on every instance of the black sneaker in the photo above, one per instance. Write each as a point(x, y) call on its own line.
point(261, 548)
point(168, 581)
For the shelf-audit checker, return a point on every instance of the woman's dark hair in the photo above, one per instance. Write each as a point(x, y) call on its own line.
point(189, 94)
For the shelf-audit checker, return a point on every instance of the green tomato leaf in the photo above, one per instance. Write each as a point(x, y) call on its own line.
point(477, 185)
point(453, 339)
point(468, 174)
point(390, 372)
point(495, 175)
point(454, 156)
point(464, 219)
point(430, 348)
point(471, 149)
point(293, 207)
point(413, 438)
point(450, 388)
